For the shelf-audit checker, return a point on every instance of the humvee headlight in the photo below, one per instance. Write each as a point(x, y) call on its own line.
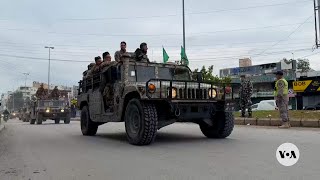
point(151, 88)
point(47, 110)
point(212, 93)
point(62, 110)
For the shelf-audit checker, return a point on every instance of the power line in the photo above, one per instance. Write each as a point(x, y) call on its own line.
point(192, 13)
point(65, 60)
point(309, 55)
point(287, 37)
point(154, 35)
point(43, 59)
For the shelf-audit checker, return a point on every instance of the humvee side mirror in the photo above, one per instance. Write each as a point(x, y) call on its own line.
point(199, 77)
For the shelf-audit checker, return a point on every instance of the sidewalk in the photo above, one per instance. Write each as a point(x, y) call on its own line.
point(315, 123)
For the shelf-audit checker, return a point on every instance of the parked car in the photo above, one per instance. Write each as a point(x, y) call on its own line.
point(313, 107)
point(265, 105)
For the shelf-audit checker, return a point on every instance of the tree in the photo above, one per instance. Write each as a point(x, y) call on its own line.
point(303, 65)
point(17, 97)
point(208, 76)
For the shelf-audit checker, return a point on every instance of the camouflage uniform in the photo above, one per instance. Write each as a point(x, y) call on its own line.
point(55, 94)
point(107, 92)
point(118, 55)
point(245, 94)
point(141, 56)
point(282, 101)
point(41, 93)
point(90, 70)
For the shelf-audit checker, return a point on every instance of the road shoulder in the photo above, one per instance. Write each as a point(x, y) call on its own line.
point(1, 127)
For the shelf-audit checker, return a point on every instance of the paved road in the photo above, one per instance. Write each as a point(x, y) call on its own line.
point(49, 151)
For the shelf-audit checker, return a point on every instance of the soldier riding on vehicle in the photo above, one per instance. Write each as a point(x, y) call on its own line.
point(41, 92)
point(55, 94)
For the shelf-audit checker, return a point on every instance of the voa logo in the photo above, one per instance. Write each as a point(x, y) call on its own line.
point(287, 154)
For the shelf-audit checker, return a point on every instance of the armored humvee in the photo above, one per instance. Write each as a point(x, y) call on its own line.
point(50, 109)
point(149, 96)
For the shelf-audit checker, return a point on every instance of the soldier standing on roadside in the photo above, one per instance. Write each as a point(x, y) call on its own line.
point(282, 99)
point(245, 94)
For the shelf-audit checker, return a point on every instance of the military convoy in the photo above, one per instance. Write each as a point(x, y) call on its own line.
point(56, 110)
point(150, 96)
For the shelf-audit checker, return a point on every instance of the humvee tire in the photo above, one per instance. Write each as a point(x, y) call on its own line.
point(32, 121)
point(67, 119)
point(141, 122)
point(88, 127)
point(39, 119)
point(223, 123)
point(57, 121)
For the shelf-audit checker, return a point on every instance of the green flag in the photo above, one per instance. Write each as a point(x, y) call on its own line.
point(184, 58)
point(165, 55)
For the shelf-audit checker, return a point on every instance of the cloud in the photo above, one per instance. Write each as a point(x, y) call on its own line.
point(81, 30)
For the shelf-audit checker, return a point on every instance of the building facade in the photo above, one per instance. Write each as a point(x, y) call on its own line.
point(263, 79)
point(307, 87)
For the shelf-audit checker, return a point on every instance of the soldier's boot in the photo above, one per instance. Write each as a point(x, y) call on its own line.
point(285, 125)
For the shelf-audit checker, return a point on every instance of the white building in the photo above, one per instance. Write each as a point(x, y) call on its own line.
point(27, 91)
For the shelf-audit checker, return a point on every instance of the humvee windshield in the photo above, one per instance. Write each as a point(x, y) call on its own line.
point(145, 73)
point(51, 103)
point(174, 73)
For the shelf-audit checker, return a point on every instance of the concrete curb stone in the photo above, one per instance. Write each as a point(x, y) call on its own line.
point(251, 121)
point(315, 123)
point(310, 123)
point(264, 122)
point(239, 121)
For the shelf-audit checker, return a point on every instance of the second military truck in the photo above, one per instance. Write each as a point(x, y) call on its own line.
point(50, 109)
point(149, 96)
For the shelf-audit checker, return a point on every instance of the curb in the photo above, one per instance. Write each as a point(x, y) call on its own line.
point(314, 123)
point(75, 119)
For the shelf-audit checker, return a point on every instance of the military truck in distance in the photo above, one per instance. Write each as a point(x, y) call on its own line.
point(50, 109)
point(149, 96)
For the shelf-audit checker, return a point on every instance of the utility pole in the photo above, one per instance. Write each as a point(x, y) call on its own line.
point(292, 56)
point(25, 81)
point(13, 100)
point(49, 47)
point(184, 26)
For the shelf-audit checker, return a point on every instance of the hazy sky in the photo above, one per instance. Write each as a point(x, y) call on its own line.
point(217, 33)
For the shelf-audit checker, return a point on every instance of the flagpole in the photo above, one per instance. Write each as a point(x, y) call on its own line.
point(184, 28)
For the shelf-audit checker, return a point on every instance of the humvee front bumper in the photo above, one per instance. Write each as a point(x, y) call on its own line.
point(193, 110)
point(54, 115)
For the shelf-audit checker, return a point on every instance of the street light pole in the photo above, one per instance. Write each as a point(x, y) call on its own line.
point(48, 47)
point(292, 56)
point(25, 81)
point(184, 27)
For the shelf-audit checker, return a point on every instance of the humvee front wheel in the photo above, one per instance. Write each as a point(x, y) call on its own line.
point(32, 121)
point(141, 122)
point(67, 119)
point(57, 121)
point(222, 125)
point(88, 127)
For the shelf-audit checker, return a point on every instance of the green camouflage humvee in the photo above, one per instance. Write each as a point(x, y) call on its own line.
point(149, 96)
point(56, 110)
